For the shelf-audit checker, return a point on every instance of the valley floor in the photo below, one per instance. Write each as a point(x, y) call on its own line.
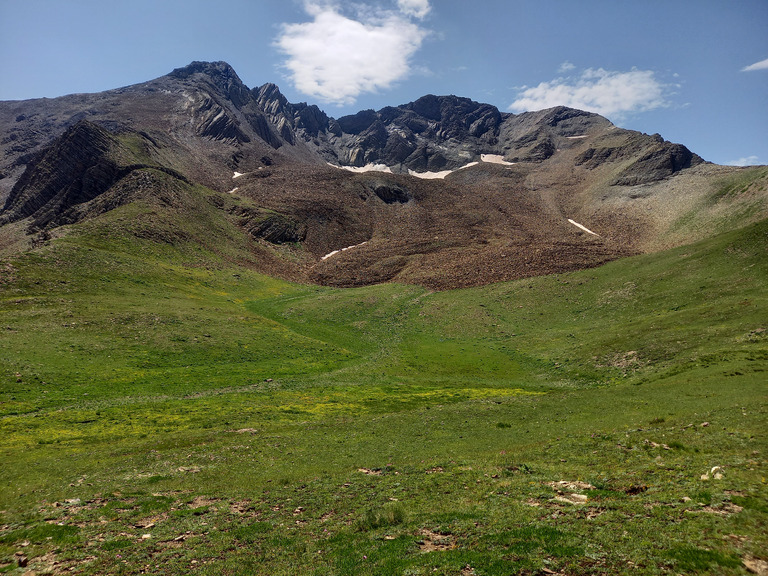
point(164, 418)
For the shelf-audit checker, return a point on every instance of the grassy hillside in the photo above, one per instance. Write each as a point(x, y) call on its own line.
point(164, 410)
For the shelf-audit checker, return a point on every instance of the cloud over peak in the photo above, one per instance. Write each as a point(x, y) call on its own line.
point(341, 54)
point(609, 93)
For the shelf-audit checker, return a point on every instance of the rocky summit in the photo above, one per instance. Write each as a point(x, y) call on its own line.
point(444, 191)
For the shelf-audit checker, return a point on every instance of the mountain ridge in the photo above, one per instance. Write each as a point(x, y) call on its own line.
point(442, 191)
point(432, 133)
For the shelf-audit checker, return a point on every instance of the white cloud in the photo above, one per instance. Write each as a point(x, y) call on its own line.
point(762, 65)
point(748, 161)
point(417, 8)
point(336, 57)
point(566, 67)
point(597, 90)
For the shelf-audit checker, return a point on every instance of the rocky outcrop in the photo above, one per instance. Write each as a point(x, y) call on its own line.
point(451, 117)
point(388, 192)
point(651, 158)
point(436, 133)
point(292, 119)
point(656, 164)
point(82, 164)
point(216, 124)
point(431, 134)
point(273, 227)
point(75, 169)
point(229, 106)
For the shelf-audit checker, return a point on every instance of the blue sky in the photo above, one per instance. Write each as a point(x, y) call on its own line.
point(695, 71)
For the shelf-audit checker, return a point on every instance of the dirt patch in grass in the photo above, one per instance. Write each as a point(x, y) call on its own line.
point(243, 507)
point(725, 510)
point(202, 502)
point(432, 541)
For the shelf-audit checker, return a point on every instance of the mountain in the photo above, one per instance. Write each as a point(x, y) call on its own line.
point(444, 191)
point(168, 398)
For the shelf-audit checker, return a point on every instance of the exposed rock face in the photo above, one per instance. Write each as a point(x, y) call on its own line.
point(432, 134)
point(437, 133)
point(658, 163)
point(654, 159)
point(388, 192)
point(229, 104)
point(79, 166)
point(290, 119)
point(272, 227)
point(215, 123)
point(76, 169)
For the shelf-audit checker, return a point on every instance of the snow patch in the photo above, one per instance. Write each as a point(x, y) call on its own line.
point(577, 137)
point(343, 250)
point(587, 230)
point(439, 175)
point(235, 189)
point(495, 159)
point(366, 168)
point(489, 158)
point(430, 175)
point(237, 175)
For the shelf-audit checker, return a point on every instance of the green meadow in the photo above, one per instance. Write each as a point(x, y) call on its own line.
point(164, 410)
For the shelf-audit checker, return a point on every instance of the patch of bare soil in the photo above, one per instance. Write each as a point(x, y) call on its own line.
point(242, 507)
point(725, 509)
point(202, 501)
point(50, 564)
point(432, 541)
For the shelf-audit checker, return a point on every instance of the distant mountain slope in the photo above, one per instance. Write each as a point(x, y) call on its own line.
point(449, 192)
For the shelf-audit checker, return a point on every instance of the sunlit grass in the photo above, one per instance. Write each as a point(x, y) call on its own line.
point(248, 425)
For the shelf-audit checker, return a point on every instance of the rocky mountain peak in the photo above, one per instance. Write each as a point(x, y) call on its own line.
point(220, 76)
point(270, 99)
point(451, 109)
point(287, 117)
point(214, 70)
